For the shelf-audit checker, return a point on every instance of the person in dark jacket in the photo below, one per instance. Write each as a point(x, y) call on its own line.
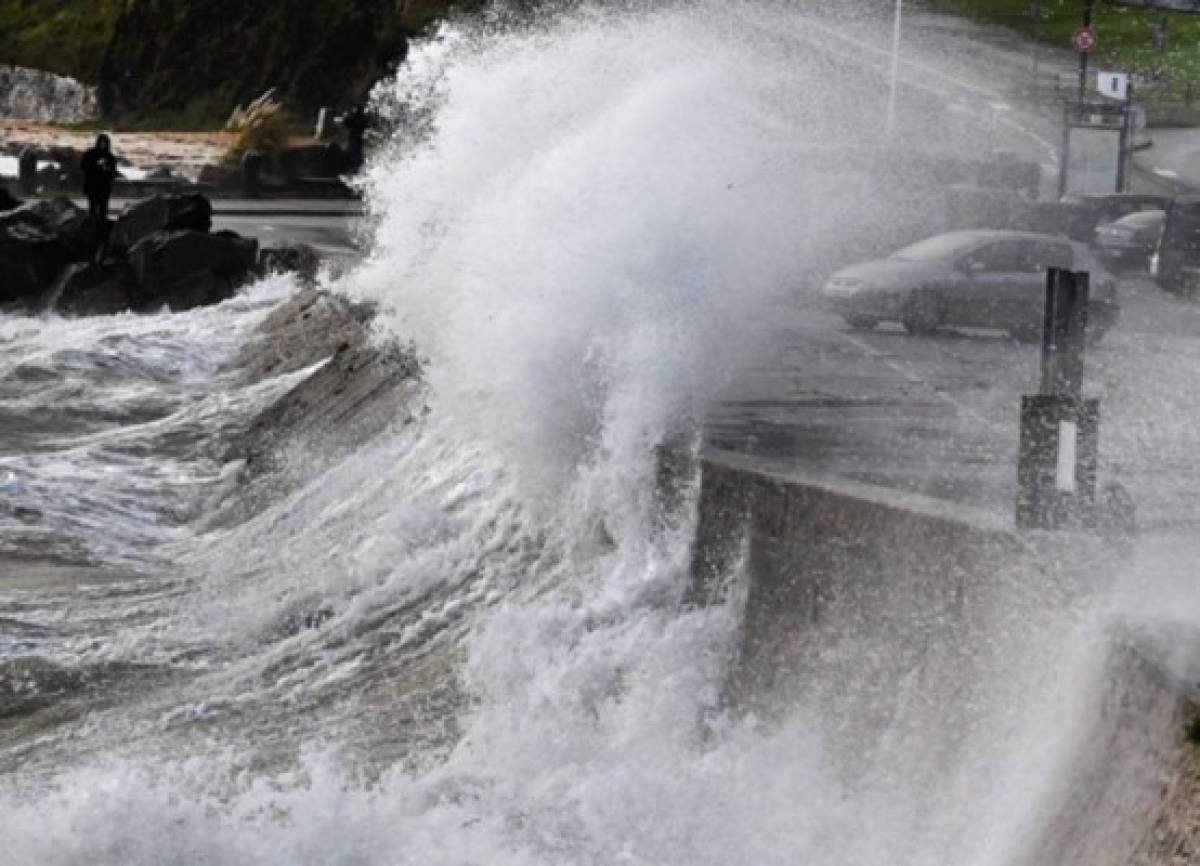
point(356, 122)
point(99, 171)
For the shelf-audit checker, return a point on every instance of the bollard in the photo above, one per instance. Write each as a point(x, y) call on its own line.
point(252, 174)
point(1057, 463)
point(27, 171)
point(1060, 431)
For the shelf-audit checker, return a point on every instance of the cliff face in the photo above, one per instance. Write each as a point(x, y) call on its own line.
point(193, 60)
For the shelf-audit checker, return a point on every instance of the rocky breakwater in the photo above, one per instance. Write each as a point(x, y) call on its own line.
point(159, 254)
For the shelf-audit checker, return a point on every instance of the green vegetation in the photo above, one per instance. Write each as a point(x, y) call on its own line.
point(262, 125)
point(187, 63)
point(67, 37)
point(1127, 34)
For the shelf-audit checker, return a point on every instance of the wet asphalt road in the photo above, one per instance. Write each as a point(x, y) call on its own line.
point(938, 415)
point(332, 235)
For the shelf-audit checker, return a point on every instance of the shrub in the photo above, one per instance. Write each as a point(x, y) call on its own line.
point(262, 125)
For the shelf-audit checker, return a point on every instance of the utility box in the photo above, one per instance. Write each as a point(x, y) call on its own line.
point(27, 169)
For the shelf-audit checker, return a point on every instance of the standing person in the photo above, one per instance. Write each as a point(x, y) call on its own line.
point(356, 123)
point(99, 171)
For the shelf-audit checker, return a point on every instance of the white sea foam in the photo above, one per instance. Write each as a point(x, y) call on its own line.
point(584, 241)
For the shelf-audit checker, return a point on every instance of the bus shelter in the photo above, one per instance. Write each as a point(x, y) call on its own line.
point(1095, 148)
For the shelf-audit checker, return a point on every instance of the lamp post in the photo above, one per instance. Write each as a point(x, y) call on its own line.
point(897, 27)
point(1038, 15)
point(1088, 6)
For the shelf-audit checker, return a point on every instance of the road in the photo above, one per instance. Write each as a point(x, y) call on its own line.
point(937, 415)
point(332, 235)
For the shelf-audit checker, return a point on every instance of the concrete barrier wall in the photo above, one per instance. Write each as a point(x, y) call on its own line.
point(1131, 794)
point(827, 554)
point(900, 615)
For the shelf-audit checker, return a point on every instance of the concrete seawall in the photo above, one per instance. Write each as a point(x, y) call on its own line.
point(899, 615)
point(823, 554)
point(1131, 793)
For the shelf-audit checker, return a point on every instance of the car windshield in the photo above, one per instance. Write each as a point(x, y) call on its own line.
point(937, 249)
point(1143, 219)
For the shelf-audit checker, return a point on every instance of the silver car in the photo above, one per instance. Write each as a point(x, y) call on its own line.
point(980, 279)
point(1130, 241)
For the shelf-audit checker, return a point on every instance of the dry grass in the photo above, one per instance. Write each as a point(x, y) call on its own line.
point(263, 125)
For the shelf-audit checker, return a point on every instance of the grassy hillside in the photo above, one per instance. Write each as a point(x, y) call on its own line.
point(68, 37)
point(1126, 33)
point(186, 63)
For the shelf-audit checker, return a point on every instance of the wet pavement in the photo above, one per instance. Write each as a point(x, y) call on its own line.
point(938, 415)
point(332, 235)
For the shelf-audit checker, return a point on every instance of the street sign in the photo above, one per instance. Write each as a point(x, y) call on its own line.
point(1085, 40)
point(1114, 85)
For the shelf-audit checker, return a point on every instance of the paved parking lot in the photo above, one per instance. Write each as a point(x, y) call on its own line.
point(938, 414)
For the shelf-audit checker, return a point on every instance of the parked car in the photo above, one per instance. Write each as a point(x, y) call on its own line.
point(1130, 242)
point(1176, 261)
point(1089, 211)
point(984, 279)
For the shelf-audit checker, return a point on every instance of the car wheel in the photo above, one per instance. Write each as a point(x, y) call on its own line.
point(922, 313)
point(861, 323)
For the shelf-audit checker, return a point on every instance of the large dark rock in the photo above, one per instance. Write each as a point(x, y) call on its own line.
point(8, 201)
point(36, 242)
point(197, 289)
point(164, 258)
point(88, 289)
point(161, 213)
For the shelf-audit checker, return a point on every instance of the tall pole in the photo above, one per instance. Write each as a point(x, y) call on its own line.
point(1083, 55)
point(1036, 12)
point(897, 28)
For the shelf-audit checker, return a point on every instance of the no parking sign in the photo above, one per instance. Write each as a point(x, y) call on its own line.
point(1085, 40)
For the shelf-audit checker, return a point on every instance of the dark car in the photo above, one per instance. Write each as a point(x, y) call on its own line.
point(983, 279)
point(1176, 261)
point(1130, 242)
point(1088, 211)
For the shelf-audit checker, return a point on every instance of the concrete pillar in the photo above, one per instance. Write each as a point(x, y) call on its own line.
point(252, 174)
point(27, 171)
